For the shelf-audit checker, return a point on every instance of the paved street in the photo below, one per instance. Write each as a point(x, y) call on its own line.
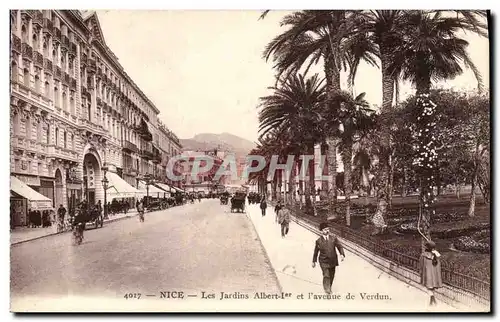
point(192, 248)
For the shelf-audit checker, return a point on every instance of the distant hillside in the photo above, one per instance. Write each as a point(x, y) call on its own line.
point(223, 141)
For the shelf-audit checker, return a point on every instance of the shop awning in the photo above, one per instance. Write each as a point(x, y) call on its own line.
point(166, 187)
point(154, 191)
point(119, 188)
point(36, 200)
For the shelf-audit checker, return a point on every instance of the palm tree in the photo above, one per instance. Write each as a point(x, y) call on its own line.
point(355, 120)
point(430, 51)
point(311, 37)
point(294, 107)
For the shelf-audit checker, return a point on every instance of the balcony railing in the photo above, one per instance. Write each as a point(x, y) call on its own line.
point(38, 59)
point(47, 65)
point(57, 72)
point(16, 44)
point(129, 146)
point(27, 51)
point(83, 59)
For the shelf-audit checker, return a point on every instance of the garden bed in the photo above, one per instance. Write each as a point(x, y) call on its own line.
point(463, 241)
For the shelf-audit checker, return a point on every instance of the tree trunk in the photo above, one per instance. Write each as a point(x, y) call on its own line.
point(309, 184)
point(387, 111)
point(301, 184)
point(293, 187)
point(347, 160)
point(405, 180)
point(324, 171)
point(332, 171)
point(457, 190)
point(390, 187)
point(274, 185)
point(472, 205)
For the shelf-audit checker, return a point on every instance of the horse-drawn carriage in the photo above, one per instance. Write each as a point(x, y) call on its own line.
point(238, 202)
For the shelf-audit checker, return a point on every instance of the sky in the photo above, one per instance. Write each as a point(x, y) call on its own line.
point(204, 70)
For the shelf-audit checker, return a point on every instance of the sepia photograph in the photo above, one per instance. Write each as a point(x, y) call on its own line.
point(318, 161)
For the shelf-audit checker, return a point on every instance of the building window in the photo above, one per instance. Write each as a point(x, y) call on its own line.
point(65, 140)
point(56, 96)
point(28, 128)
point(45, 48)
point(64, 99)
point(57, 137)
point(14, 72)
point(37, 84)
point(35, 42)
point(54, 55)
point(63, 62)
point(24, 34)
point(15, 125)
point(71, 67)
point(73, 142)
point(72, 103)
point(26, 77)
point(47, 89)
point(47, 139)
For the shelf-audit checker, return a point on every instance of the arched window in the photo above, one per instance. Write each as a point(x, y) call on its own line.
point(57, 137)
point(63, 62)
point(24, 34)
point(14, 74)
point(54, 56)
point(26, 77)
point(35, 42)
point(37, 83)
point(56, 96)
point(47, 89)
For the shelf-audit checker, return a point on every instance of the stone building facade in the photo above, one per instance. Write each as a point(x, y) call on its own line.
point(74, 109)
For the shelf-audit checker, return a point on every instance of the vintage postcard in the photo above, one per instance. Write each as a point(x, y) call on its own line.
point(250, 161)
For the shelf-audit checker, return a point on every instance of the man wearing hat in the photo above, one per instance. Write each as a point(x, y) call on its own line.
point(326, 247)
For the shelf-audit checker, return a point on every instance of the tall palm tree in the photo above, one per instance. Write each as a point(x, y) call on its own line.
point(430, 51)
point(310, 38)
point(295, 106)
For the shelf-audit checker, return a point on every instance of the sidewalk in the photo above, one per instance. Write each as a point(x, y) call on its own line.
point(291, 258)
point(24, 234)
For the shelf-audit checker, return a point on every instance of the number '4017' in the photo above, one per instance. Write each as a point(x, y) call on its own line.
point(132, 296)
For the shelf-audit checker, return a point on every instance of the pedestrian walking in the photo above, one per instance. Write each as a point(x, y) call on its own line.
point(326, 247)
point(263, 206)
point(61, 213)
point(430, 264)
point(284, 221)
point(277, 208)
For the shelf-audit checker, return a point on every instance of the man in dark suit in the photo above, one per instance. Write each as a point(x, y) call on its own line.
point(326, 247)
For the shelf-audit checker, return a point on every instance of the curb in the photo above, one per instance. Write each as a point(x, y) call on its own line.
point(63, 232)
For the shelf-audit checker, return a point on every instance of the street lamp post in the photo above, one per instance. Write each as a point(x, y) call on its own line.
point(105, 186)
point(149, 181)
